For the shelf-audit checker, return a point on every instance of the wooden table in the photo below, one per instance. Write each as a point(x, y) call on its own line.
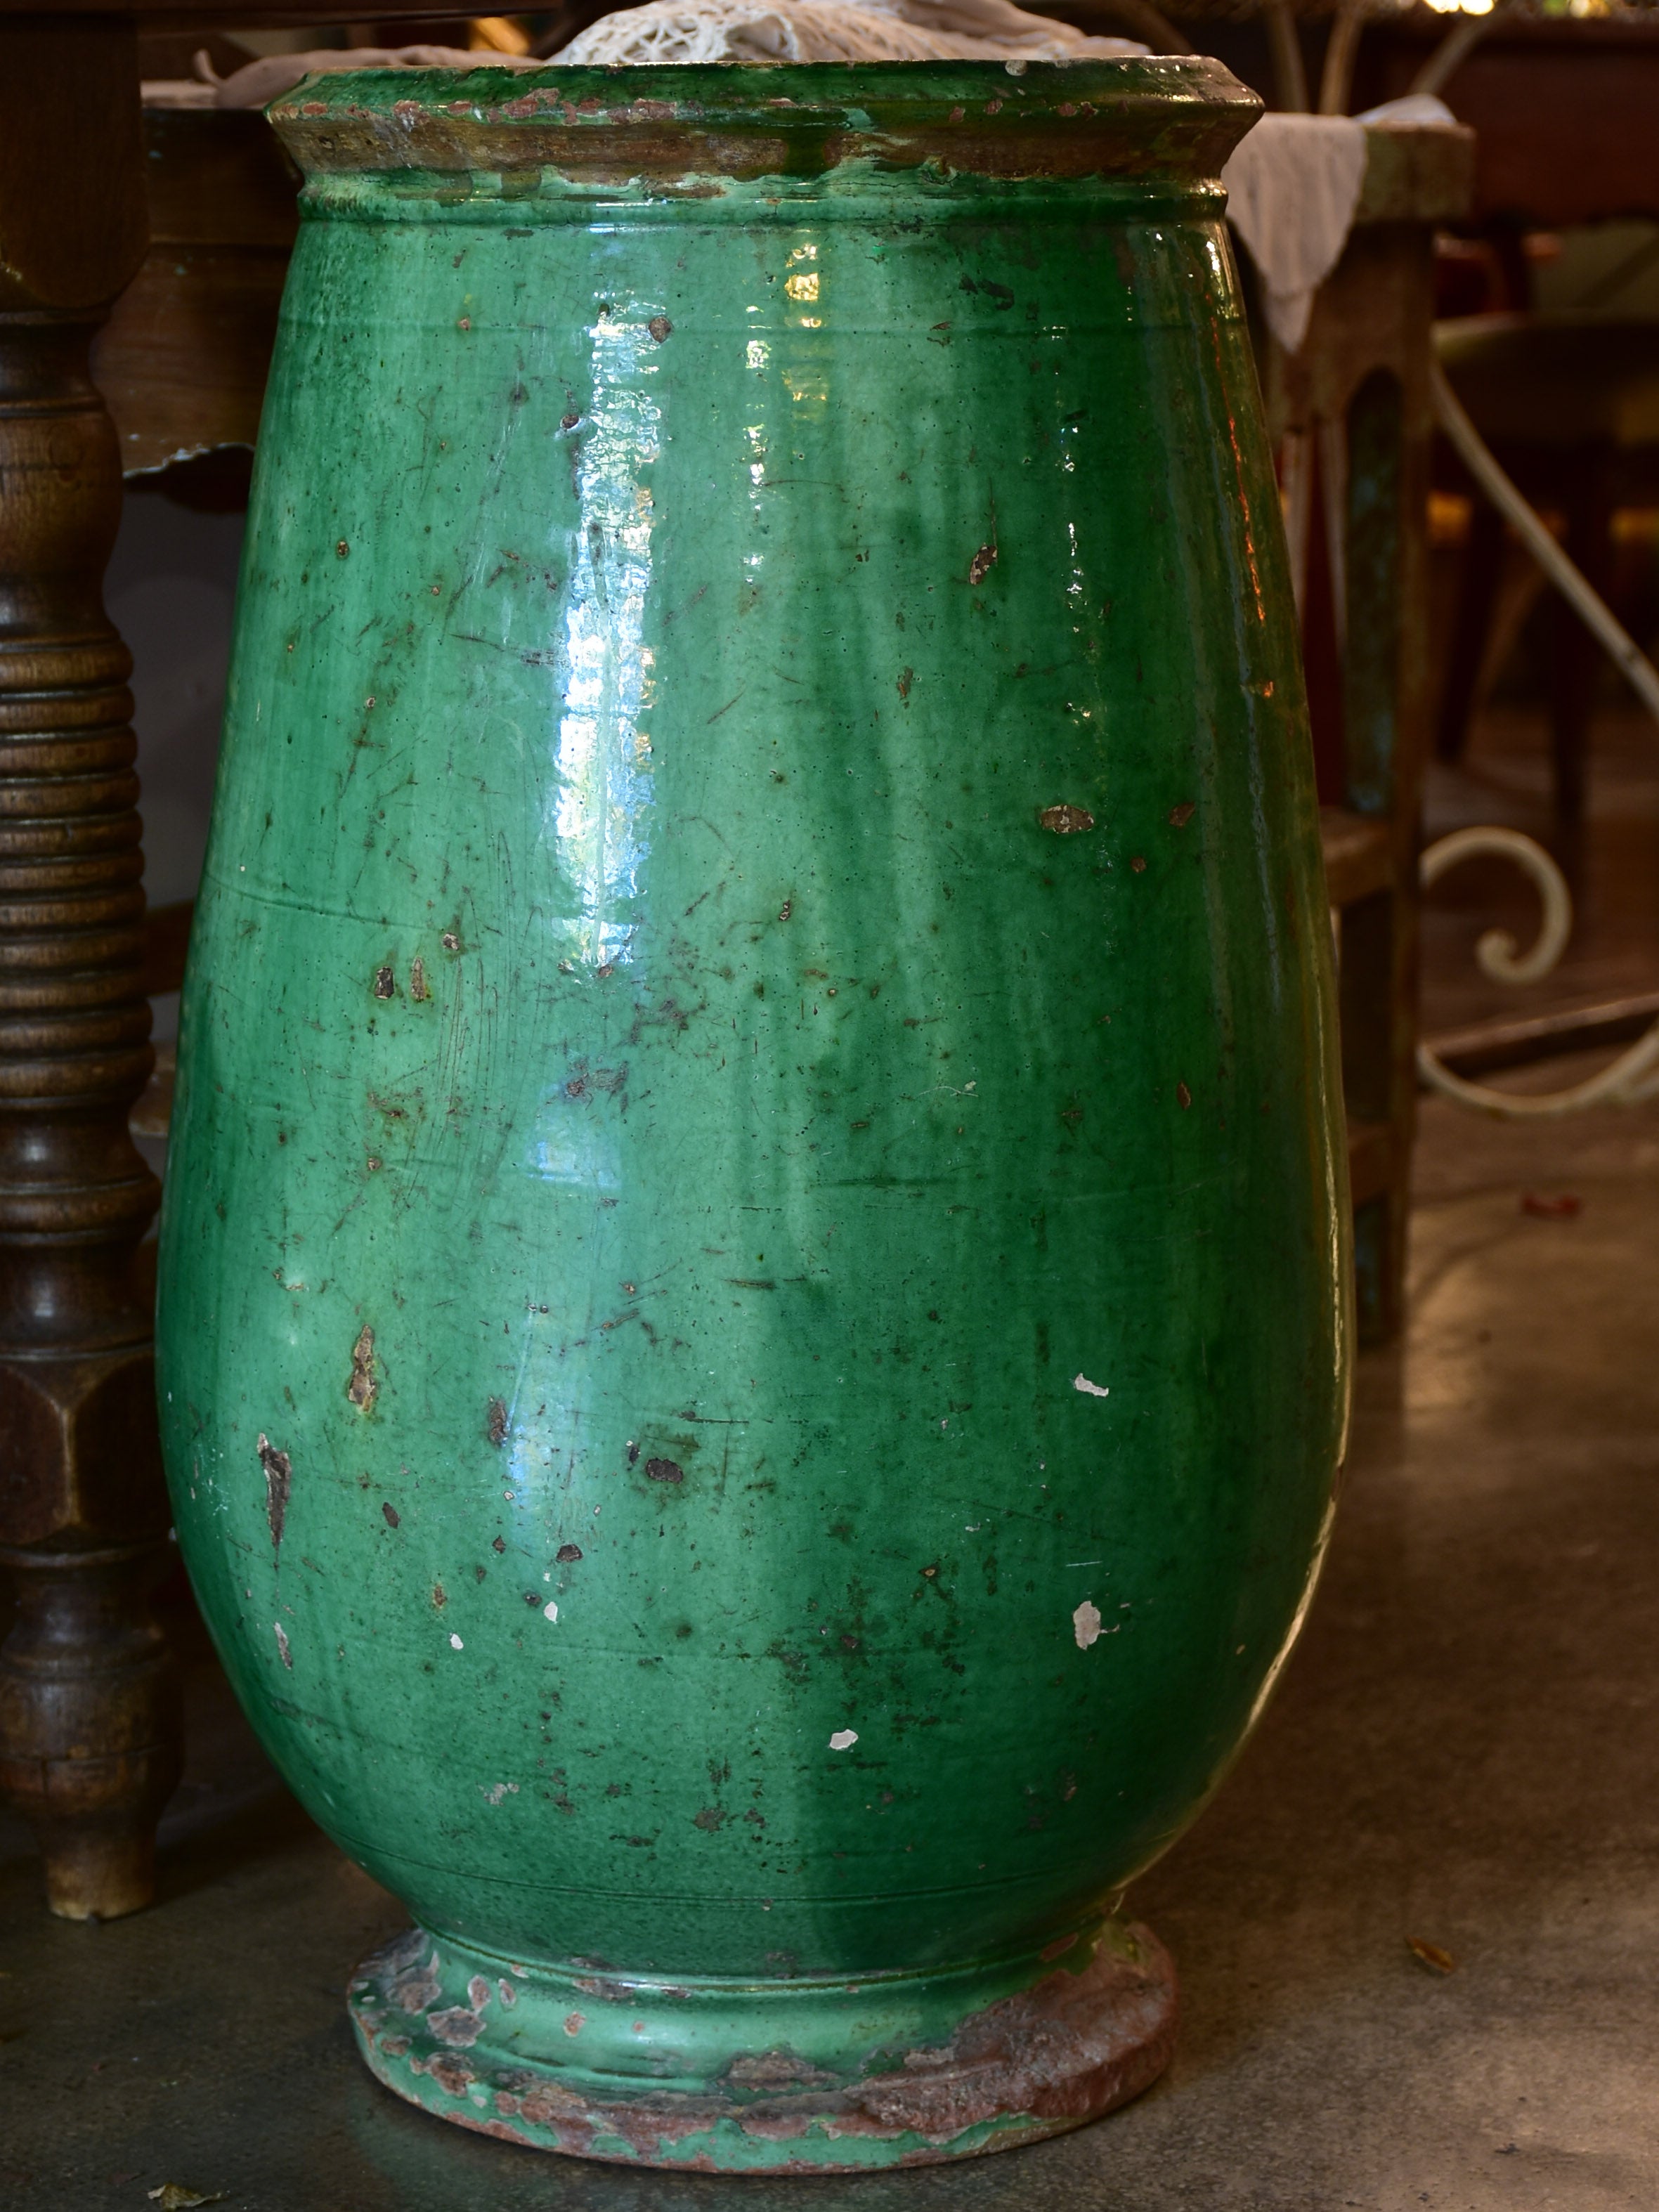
point(88, 1714)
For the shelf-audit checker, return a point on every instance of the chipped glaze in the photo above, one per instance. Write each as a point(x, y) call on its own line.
point(763, 928)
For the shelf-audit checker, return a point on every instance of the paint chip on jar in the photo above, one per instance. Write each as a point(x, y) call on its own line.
point(842, 1740)
point(551, 1610)
point(1086, 1624)
point(1066, 821)
point(455, 1643)
point(279, 1481)
point(361, 1388)
point(1091, 1389)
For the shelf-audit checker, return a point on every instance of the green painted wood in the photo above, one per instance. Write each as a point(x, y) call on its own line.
point(754, 1277)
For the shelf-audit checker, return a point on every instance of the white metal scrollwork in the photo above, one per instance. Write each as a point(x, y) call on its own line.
point(1634, 1075)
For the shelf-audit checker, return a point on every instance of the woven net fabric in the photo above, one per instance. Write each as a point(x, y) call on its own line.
point(825, 31)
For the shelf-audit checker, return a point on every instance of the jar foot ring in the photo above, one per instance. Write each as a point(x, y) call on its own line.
point(821, 2076)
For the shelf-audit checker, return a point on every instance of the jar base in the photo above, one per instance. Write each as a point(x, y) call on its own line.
point(822, 2075)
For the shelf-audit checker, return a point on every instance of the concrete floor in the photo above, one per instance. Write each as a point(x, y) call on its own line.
point(1464, 1750)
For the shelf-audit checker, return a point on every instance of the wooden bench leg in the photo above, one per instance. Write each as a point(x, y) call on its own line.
point(1385, 709)
point(88, 1718)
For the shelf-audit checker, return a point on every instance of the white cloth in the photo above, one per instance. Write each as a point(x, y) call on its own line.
point(1292, 185)
point(830, 31)
point(1415, 110)
point(273, 74)
point(706, 31)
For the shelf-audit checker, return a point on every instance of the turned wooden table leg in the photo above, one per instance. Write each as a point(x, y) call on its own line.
point(88, 1718)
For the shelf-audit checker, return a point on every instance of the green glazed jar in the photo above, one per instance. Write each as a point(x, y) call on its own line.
point(754, 1333)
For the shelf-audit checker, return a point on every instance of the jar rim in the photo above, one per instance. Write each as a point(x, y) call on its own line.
point(1173, 118)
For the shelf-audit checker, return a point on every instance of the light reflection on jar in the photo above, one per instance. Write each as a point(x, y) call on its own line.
point(603, 665)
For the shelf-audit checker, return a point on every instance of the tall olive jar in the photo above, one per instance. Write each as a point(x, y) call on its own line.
point(754, 1284)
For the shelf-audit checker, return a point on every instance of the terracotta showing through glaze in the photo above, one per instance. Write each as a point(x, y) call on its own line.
point(754, 1324)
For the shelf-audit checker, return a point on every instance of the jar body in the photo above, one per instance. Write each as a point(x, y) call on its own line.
point(753, 1336)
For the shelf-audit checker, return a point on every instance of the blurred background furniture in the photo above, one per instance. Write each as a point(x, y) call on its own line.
point(1563, 110)
point(1552, 282)
point(1571, 412)
point(1562, 107)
